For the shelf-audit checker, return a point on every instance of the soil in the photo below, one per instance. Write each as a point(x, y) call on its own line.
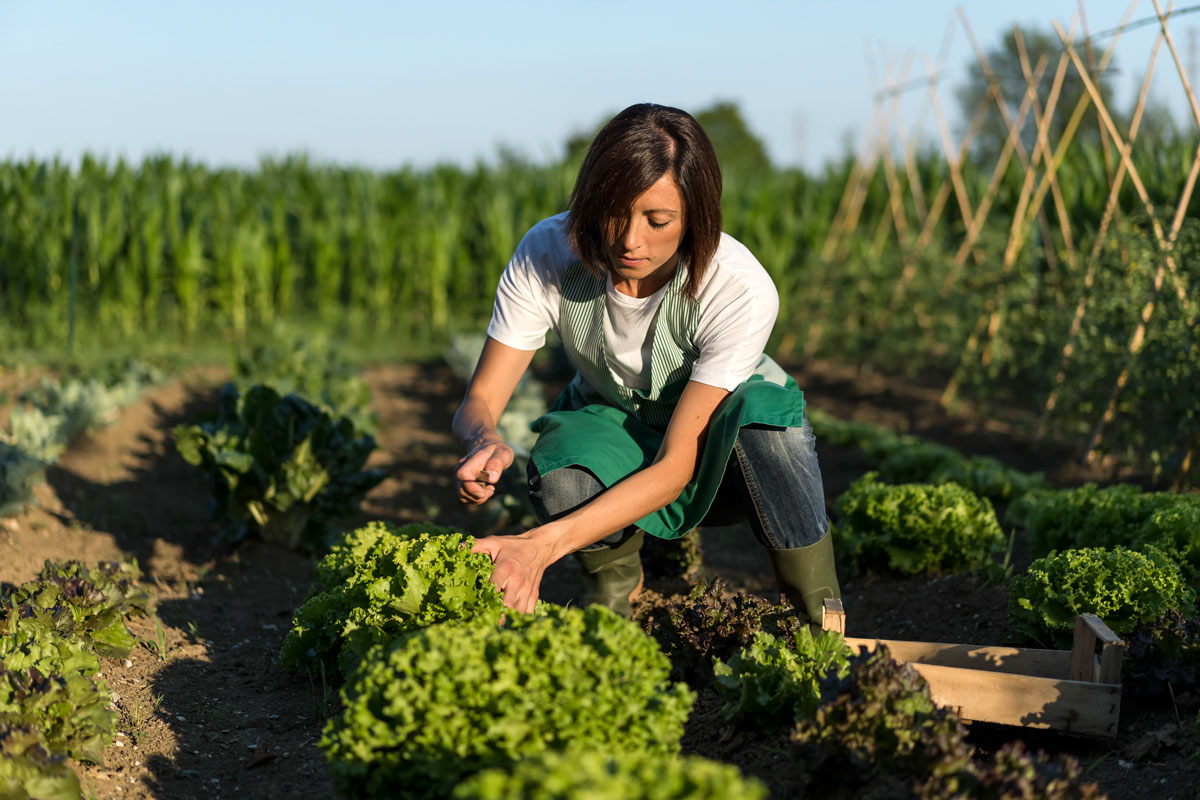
point(204, 710)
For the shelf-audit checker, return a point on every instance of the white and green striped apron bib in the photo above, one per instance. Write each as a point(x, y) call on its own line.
point(614, 430)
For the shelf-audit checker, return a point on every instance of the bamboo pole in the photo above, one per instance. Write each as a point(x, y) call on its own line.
point(1165, 244)
point(908, 147)
point(1191, 96)
point(935, 214)
point(1076, 118)
point(1110, 208)
point(1002, 165)
point(988, 324)
point(1165, 241)
point(833, 235)
point(1022, 219)
point(895, 190)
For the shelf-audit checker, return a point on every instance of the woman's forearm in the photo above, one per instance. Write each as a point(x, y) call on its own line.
point(474, 424)
point(642, 493)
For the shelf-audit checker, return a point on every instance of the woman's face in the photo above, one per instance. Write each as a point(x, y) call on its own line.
point(648, 245)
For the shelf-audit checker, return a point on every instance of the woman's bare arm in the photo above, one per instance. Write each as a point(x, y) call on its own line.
point(499, 370)
point(521, 560)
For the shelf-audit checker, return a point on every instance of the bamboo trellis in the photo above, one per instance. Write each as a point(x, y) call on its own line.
point(1040, 184)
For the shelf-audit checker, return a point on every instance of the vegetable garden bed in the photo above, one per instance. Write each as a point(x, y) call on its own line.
point(227, 717)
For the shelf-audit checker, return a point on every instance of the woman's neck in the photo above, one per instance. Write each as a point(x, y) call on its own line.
point(648, 284)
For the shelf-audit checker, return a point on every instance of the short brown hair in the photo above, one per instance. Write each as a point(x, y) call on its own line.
point(628, 155)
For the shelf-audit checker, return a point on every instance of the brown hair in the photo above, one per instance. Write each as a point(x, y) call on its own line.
point(628, 155)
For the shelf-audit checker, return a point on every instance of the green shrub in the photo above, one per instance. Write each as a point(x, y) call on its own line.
point(29, 772)
point(446, 701)
point(380, 581)
point(914, 528)
point(705, 626)
point(19, 473)
point(935, 463)
point(99, 601)
point(631, 775)
point(777, 679)
point(280, 466)
point(1122, 587)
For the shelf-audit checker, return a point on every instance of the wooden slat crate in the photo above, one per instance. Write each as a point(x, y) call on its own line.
point(1069, 690)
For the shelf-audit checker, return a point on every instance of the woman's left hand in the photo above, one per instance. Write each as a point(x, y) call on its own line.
point(520, 561)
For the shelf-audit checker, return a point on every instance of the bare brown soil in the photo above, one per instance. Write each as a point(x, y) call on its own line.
point(205, 711)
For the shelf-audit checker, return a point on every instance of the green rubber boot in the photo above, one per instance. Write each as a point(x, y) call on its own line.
point(612, 576)
point(806, 576)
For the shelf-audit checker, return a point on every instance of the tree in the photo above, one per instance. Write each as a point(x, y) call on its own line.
point(1005, 62)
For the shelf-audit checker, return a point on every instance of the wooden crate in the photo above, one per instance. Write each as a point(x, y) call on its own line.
point(1069, 690)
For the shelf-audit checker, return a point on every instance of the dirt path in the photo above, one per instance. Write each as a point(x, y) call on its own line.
point(209, 714)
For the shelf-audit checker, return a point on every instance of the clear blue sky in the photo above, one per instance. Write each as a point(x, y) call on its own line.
point(388, 83)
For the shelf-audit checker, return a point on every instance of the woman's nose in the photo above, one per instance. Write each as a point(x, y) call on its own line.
point(631, 237)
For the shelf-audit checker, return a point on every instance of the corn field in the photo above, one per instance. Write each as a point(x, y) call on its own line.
point(180, 251)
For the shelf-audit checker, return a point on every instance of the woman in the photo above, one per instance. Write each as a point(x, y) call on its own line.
point(675, 415)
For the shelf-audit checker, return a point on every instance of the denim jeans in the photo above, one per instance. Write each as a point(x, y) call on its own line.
point(772, 481)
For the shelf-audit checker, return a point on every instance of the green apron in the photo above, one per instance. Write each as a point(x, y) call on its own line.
point(614, 430)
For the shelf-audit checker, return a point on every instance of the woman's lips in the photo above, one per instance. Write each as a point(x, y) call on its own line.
point(632, 262)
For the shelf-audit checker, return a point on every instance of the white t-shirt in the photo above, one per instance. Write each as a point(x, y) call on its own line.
point(738, 306)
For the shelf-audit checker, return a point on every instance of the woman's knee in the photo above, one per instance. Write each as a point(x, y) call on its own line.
point(561, 491)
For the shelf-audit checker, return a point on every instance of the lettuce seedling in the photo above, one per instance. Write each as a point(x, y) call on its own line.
point(915, 527)
point(29, 772)
point(778, 679)
point(705, 626)
point(1122, 587)
point(381, 581)
point(99, 600)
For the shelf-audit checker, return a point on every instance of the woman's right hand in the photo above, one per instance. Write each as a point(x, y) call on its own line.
point(479, 470)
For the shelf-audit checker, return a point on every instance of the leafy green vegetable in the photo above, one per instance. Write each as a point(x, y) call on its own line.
point(280, 466)
point(29, 772)
point(705, 625)
point(914, 528)
point(1123, 515)
point(19, 473)
point(68, 711)
point(446, 701)
point(380, 581)
point(44, 639)
point(1122, 587)
point(622, 774)
point(777, 679)
point(99, 600)
point(880, 726)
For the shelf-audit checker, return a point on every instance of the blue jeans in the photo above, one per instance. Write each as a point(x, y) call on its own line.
point(773, 481)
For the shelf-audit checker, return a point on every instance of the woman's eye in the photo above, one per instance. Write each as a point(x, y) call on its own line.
point(654, 224)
